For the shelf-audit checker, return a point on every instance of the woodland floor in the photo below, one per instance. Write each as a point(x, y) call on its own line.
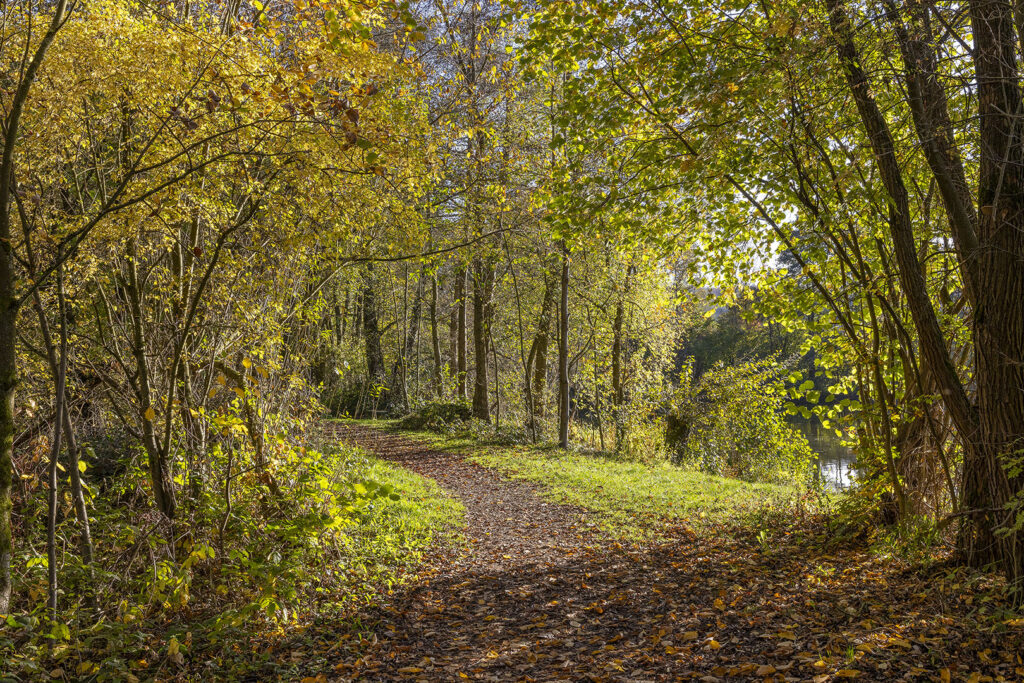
point(541, 596)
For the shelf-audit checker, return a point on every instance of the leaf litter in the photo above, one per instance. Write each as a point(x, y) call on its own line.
point(539, 594)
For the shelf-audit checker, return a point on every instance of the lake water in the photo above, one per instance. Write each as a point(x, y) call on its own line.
point(835, 461)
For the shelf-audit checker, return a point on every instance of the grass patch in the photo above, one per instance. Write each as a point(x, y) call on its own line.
point(633, 500)
point(391, 536)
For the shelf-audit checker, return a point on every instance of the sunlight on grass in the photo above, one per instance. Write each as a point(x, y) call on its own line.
point(635, 499)
point(627, 499)
point(393, 535)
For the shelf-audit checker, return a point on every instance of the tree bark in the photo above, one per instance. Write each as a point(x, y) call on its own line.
point(435, 340)
point(461, 351)
point(483, 311)
point(371, 330)
point(159, 471)
point(993, 429)
point(9, 301)
point(563, 353)
point(539, 350)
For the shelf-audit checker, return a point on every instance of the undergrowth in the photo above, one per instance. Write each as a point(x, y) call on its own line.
point(342, 530)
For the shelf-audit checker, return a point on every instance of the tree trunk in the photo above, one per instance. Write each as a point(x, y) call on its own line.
point(74, 453)
point(8, 382)
point(371, 330)
point(60, 383)
point(461, 351)
point(483, 310)
point(9, 302)
point(563, 354)
point(435, 340)
point(159, 471)
point(992, 430)
point(539, 352)
point(401, 370)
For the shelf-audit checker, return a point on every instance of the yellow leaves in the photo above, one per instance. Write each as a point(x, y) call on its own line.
point(410, 670)
point(150, 414)
point(688, 636)
point(765, 670)
point(945, 675)
point(719, 604)
point(714, 644)
point(86, 668)
point(847, 673)
point(319, 678)
point(787, 635)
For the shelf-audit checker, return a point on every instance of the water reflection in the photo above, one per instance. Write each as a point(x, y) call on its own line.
point(835, 461)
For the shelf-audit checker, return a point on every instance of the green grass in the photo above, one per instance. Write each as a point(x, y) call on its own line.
point(632, 499)
point(627, 499)
point(391, 536)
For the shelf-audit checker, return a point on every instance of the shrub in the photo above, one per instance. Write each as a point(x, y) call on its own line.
point(732, 422)
point(438, 416)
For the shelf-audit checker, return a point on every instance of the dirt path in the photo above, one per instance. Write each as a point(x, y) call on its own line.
point(507, 524)
point(538, 599)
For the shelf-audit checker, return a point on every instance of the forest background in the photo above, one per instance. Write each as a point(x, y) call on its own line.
point(656, 231)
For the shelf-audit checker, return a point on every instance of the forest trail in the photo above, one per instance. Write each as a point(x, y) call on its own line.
point(537, 597)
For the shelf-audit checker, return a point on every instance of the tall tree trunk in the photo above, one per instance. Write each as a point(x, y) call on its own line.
point(993, 429)
point(341, 316)
point(462, 363)
point(483, 291)
point(74, 453)
point(998, 322)
point(539, 351)
point(9, 301)
point(371, 329)
point(401, 370)
point(435, 340)
point(618, 392)
point(159, 471)
point(563, 353)
point(357, 316)
point(8, 382)
point(60, 383)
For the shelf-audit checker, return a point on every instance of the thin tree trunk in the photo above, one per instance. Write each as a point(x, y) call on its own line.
point(539, 351)
point(371, 331)
point(483, 288)
point(77, 491)
point(51, 512)
point(563, 353)
point(9, 302)
point(462, 362)
point(163, 493)
point(435, 340)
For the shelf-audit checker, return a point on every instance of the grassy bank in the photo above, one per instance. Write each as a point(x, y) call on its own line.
point(628, 499)
point(346, 529)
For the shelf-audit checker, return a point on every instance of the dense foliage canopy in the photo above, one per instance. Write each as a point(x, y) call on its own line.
point(657, 230)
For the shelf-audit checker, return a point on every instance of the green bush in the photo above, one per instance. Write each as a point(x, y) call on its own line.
point(438, 416)
point(732, 423)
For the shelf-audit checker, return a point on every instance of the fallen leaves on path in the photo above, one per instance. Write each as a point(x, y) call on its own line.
point(538, 598)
